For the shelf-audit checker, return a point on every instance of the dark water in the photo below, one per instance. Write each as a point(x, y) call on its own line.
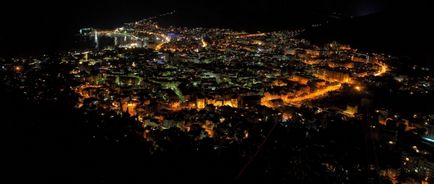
point(43, 33)
point(34, 27)
point(395, 32)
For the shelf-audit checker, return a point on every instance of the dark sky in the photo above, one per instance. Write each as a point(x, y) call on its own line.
point(35, 25)
point(34, 15)
point(89, 12)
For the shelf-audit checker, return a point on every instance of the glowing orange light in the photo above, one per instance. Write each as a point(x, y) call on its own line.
point(209, 128)
point(299, 79)
point(350, 111)
point(358, 88)
point(18, 68)
point(382, 70)
point(286, 116)
point(278, 83)
point(266, 100)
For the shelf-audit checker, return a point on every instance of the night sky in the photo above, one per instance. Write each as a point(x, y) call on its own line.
point(77, 13)
point(43, 25)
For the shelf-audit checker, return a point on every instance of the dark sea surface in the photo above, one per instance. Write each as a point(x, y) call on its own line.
point(44, 34)
point(391, 31)
point(394, 33)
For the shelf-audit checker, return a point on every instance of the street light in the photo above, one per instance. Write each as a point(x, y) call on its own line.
point(358, 88)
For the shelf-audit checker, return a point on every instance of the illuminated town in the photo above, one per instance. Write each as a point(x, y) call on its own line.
point(217, 89)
